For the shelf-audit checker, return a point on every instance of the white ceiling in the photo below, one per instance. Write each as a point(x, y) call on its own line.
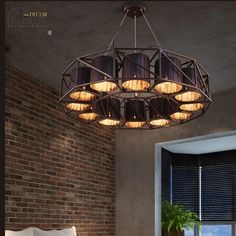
point(203, 144)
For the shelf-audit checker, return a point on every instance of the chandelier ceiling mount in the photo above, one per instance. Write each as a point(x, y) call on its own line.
point(134, 9)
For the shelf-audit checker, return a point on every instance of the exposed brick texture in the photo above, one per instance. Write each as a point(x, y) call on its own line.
point(59, 171)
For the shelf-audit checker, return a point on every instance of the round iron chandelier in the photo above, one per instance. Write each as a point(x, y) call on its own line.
point(137, 88)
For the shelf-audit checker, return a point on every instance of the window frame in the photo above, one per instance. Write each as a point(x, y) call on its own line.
point(197, 232)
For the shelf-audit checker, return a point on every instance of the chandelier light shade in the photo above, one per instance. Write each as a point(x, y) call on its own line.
point(81, 75)
point(192, 78)
point(88, 115)
point(191, 106)
point(180, 115)
point(82, 96)
point(109, 110)
point(136, 69)
point(171, 78)
point(135, 87)
point(135, 113)
point(105, 64)
point(77, 106)
point(160, 111)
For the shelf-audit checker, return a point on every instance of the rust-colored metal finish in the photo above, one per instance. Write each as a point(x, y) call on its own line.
point(134, 9)
point(193, 74)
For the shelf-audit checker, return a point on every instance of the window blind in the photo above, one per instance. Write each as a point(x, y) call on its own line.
point(218, 186)
point(185, 181)
point(165, 174)
point(181, 183)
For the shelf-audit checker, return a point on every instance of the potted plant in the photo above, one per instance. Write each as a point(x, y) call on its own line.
point(175, 220)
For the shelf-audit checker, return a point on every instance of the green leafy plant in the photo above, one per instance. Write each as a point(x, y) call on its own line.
point(175, 218)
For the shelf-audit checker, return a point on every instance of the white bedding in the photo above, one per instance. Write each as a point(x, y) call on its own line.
point(33, 231)
point(24, 232)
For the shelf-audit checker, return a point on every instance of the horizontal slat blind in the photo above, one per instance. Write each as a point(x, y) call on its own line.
point(218, 183)
point(165, 174)
point(218, 186)
point(185, 182)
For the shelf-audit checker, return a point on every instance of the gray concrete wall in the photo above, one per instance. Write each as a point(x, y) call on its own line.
point(135, 171)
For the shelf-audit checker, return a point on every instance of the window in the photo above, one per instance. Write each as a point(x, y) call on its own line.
point(189, 233)
point(213, 229)
point(218, 180)
point(205, 184)
point(216, 230)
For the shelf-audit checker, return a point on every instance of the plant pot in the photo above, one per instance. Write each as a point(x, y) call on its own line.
point(172, 233)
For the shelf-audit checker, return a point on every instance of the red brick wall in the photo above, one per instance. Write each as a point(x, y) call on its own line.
point(59, 171)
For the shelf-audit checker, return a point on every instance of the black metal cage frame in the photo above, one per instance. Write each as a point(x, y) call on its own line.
point(155, 53)
point(123, 94)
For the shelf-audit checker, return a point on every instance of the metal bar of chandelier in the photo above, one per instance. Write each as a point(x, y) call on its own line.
point(135, 88)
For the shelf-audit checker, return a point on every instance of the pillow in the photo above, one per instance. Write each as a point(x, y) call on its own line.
point(24, 232)
point(62, 232)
